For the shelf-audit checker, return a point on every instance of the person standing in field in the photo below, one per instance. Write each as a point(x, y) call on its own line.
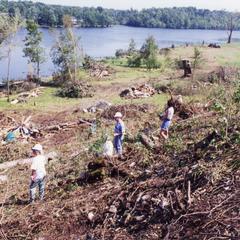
point(167, 120)
point(38, 173)
point(119, 132)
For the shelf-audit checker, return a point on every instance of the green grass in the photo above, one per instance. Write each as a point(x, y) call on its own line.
point(230, 55)
point(47, 101)
point(110, 88)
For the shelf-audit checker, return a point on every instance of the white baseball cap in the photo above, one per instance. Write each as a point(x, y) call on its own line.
point(118, 115)
point(37, 147)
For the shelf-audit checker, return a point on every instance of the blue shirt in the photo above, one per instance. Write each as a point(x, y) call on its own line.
point(119, 128)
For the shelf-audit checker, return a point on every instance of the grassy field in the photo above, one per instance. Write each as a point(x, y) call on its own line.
point(109, 89)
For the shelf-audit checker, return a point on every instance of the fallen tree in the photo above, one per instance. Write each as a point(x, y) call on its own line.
point(11, 164)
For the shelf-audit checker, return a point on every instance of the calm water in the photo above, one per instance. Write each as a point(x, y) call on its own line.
point(100, 43)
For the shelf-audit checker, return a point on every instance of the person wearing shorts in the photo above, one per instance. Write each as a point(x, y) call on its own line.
point(167, 120)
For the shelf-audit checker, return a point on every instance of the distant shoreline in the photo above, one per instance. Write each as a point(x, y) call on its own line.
point(50, 15)
point(104, 27)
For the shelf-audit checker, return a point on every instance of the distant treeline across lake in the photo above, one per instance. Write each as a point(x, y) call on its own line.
point(174, 18)
point(103, 42)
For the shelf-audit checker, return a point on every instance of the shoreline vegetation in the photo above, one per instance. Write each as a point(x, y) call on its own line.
point(89, 17)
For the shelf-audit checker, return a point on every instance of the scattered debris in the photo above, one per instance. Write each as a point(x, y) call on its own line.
point(214, 45)
point(99, 106)
point(142, 91)
point(187, 110)
point(25, 96)
point(23, 130)
point(223, 74)
point(78, 89)
point(146, 141)
point(97, 69)
point(128, 110)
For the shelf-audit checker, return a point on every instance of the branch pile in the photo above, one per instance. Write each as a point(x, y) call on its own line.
point(143, 91)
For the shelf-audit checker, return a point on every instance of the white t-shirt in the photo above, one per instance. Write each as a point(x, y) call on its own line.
point(38, 164)
point(170, 113)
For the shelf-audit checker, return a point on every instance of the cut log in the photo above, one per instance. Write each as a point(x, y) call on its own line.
point(12, 164)
point(146, 141)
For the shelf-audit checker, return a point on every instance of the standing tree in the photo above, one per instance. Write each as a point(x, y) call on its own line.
point(66, 53)
point(149, 52)
point(132, 47)
point(8, 29)
point(233, 23)
point(32, 49)
point(231, 28)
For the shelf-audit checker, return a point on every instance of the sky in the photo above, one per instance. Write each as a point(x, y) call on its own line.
point(232, 5)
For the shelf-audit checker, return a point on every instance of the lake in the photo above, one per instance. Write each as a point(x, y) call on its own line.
point(103, 42)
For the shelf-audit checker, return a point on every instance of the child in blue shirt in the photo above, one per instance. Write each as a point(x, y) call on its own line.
point(119, 132)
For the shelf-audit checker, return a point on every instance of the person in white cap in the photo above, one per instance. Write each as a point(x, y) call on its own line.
point(38, 173)
point(119, 132)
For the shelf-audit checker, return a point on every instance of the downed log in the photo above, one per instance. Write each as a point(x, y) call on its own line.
point(146, 141)
point(58, 127)
point(12, 164)
point(62, 126)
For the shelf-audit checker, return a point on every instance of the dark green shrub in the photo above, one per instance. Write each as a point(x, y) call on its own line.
point(76, 90)
point(134, 61)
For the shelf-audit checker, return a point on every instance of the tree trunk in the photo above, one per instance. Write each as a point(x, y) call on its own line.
point(38, 70)
point(231, 27)
point(230, 36)
point(8, 74)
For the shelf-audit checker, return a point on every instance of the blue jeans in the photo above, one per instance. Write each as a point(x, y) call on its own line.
point(118, 141)
point(40, 183)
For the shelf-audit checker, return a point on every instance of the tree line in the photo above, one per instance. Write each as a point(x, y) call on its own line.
point(174, 18)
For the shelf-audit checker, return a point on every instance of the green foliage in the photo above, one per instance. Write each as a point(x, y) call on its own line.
point(217, 106)
point(175, 144)
point(197, 58)
point(149, 52)
point(236, 96)
point(188, 18)
point(8, 26)
point(135, 60)
point(75, 90)
point(132, 47)
point(97, 146)
point(235, 164)
point(32, 49)
point(66, 54)
point(120, 53)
